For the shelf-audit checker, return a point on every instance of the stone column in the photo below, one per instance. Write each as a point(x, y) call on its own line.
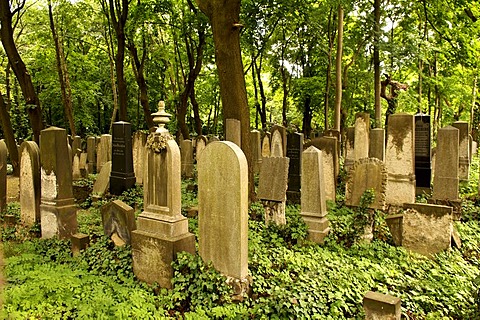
point(104, 151)
point(377, 144)
point(313, 200)
point(400, 159)
point(233, 131)
point(92, 155)
point(3, 175)
point(186, 148)
point(446, 180)
point(29, 183)
point(294, 152)
point(362, 135)
point(463, 150)
point(122, 176)
point(57, 208)
point(162, 231)
point(256, 150)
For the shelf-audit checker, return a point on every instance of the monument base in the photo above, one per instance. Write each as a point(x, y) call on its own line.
point(119, 184)
point(58, 219)
point(293, 197)
point(318, 228)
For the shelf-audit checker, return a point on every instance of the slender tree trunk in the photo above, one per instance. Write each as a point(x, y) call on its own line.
point(307, 117)
point(285, 85)
point(196, 112)
point(338, 71)
point(9, 136)
point(62, 74)
point(8, 88)
point(326, 100)
point(474, 100)
point(263, 97)
point(18, 66)
point(376, 65)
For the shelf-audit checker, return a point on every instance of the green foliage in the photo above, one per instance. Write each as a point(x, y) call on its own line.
point(17, 231)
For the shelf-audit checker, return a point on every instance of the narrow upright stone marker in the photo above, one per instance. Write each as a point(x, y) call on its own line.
point(233, 131)
point(104, 151)
point(57, 208)
point(101, 185)
point(266, 145)
point(3, 175)
point(201, 144)
point(272, 188)
point(139, 141)
point(278, 142)
point(463, 150)
point(122, 176)
point(328, 146)
point(379, 306)
point(223, 211)
point(313, 201)
point(256, 150)
point(186, 149)
point(162, 231)
point(29, 183)
point(349, 149)
point(377, 144)
point(446, 179)
point(294, 153)
point(362, 135)
point(423, 163)
point(92, 155)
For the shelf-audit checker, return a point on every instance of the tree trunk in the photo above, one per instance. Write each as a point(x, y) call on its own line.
point(224, 17)
point(196, 112)
point(326, 99)
point(376, 64)
point(31, 99)
point(338, 71)
point(62, 74)
point(307, 117)
point(263, 98)
point(9, 136)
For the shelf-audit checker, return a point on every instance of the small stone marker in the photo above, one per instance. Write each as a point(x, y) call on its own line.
point(377, 144)
point(349, 148)
point(139, 141)
point(223, 211)
point(104, 151)
point(278, 141)
point(3, 175)
point(362, 135)
point(272, 188)
point(122, 176)
point(256, 150)
point(80, 241)
point(118, 218)
point(186, 149)
point(57, 209)
point(400, 159)
point(266, 145)
point(463, 150)
point(328, 146)
point(29, 183)
point(313, 201)
point(423, 163)
point(294, 153)
point(380, 306)
point(92, 155)
point(233, 131)
point(102, 183)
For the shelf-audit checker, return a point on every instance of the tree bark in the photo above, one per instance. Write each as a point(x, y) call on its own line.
point(62, 74)
point(224, 17)
point(18, 66)
point(338, 71)
point(9, 136)
point(326, 99)
point(376, 64)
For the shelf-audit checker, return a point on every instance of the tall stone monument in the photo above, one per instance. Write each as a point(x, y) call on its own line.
point(294, 153)
point(423, 163)
point(446, 180)
point(256, 150)
point(162, 231)
point(122, 176)
point(377, 144)
point(57, 207)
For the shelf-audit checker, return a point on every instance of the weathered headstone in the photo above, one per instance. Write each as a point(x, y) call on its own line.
point(201, 144)
point(76, 145)
point(3, 175)
point(400, 159)
point(362, 135)
point(80, 241)
point(349, 148)
point(57, 208)
point(122, 176)
point(29, 183)
point(272, 188)
point(92, 155)
point(139, 141)
point(104, 151)
point(294, 153)
point(233, 131)
point(266, 145)
point(162, 231)
point(186, 149)
point(379, 306)
point(377, 144)
point(463, 150)
point(223, 211)
point(102, 182)
point(445, 181)
point(256, 150)
point(328, 146)
point(76, 175)
point(83, 165)
point(423, 164)
point(278, 141)
point(313, 201)
point(367, 173)
point(118, 218)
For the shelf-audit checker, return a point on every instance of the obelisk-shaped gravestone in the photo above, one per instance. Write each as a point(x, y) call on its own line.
point(57, 208)
point(122, 176)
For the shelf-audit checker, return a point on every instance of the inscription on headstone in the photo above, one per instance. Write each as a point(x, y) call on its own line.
point(423, 164)
point(122, 176)
point(294, 152)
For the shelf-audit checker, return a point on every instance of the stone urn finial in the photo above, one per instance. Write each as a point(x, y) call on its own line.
point(161, 118)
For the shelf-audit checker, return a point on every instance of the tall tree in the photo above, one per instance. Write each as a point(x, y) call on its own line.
point(338, 71)
point(19, 68)
point(9, 136)
point(376, 63)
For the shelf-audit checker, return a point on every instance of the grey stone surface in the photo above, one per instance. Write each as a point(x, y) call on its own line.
point(233, 131)
point(272, 184)
point(200, 146)
point(377, 144)
point(445, 180)
point(92, 155)
point(139, 151)
point(328, 146)
point(463, 150)
point(266, 145)
point(29, 184)
point(104, 151)
point(102, 183)
point(278, 141)
point(118, 218)
point(186, 148)
point(349, 148)
point(256, 150)
point(379, 306)
point(362, 135)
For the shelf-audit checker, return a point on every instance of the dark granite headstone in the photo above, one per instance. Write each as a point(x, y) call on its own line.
point(122, 176)
point(294, 152)
point(423, 164)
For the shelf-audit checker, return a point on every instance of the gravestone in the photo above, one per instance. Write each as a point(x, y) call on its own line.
point(76, 175)
point(233, 131)
point(102, 183)
point(80, 241)
point(213, 138)
point(377, 144)
point(313, 200)
point(474, 148)
point(362, 135)
point(201, 144)
point(463, 150)
point(266, 145)
point(139, 141)
point(92, 155)
point(256, 150)
point(3, 175)
point(278, 141)
point(104, 151)
point(76, 145)
point(83, 165)
point(400, 159)
point(186, 149)
point(223, 212)
point(122, 176)
point(470, 148)
point(294, 153)
point(379, 306)
point(423, 164)
point(367, 173)
point(29, 183)
point(161, 231)
point(58, 213)
point(272, 188)
point(328, 146)
point(349, 148)
point(118, 218)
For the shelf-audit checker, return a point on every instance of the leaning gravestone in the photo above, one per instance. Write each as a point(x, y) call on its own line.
point(3, 175)
point(162, 230)
point(272, 187)
point(29, 183)
point(104, 151)
point(463, 150)
point(294, 153)
point(313, 201)
point(278, 141)
point(223, 212)
point(57, 209)
point(118, 221)
point(139, 141)
point(100, 187)
point(122, 176)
